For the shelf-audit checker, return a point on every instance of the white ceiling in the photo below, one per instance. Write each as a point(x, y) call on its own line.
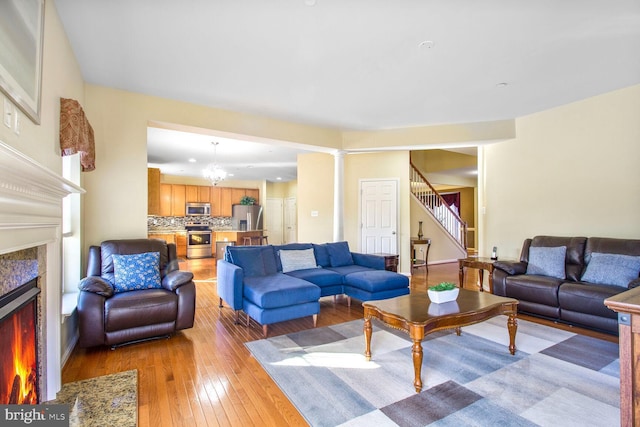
point(359, 64)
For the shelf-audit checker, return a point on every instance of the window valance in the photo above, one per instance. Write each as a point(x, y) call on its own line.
point(76, 134)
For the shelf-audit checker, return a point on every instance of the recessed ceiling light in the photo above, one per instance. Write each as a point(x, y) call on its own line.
point(502, 84)
point(229, 174)
point(278, 178)
point(192, 160)
point(427, 44)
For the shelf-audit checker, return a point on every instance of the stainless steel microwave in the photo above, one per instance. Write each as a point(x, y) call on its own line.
point(198, 209)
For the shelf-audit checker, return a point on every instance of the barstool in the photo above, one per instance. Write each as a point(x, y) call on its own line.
point(264, 240)
point(246, 241)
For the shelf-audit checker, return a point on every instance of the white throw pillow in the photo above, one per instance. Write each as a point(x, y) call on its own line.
point(298, 259)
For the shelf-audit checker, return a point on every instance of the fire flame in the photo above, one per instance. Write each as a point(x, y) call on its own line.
point(18, 378)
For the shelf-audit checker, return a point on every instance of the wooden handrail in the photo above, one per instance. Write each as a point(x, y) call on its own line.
point(462, 240)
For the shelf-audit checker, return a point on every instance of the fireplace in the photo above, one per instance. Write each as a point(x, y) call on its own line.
point(30, 248)
point(19, 371)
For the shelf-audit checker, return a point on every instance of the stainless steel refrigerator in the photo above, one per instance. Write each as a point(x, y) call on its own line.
point(246, 217)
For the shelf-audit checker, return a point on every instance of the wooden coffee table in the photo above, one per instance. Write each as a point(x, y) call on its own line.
point(418, 316)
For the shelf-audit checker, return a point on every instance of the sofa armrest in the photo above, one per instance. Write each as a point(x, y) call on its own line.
point(368, 260)
point(634, 283)
point(175, 279)
point(230, 283)
point(511, 267)
point(96, 285)
point(91, 319)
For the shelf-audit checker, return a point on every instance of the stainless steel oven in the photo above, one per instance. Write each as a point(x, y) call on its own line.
point(198, 241)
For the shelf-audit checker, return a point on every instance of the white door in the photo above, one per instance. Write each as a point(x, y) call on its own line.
point(379, 216)
point(273, 221)
point(290, 220)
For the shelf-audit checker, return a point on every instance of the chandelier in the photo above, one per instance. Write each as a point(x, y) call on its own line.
point(214, 172)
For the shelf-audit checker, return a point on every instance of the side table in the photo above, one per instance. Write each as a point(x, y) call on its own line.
point(390, 261)
point(481, 264)
point(416, 262)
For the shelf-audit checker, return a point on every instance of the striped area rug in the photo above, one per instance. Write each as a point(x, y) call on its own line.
point(555, 378)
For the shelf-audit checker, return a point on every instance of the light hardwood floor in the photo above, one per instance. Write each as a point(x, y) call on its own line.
point(205, 376)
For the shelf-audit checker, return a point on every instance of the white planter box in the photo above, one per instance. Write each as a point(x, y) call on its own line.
point(443, 296)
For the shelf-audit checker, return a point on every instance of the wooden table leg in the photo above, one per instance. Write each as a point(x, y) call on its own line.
point(417, 364)
point(367, 337)
point(481, 279)
point(512, 325)
point(461, 275)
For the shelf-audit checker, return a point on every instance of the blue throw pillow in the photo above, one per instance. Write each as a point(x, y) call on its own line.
point(339, 254)
point(254, 261)
point(547, 261)
point(611, 269)
point(137, 271)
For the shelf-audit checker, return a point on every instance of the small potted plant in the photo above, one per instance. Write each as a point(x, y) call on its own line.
point(247, 200)
point(443, 292)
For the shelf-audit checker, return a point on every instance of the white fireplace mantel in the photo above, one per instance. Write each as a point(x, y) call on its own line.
point(31, 215)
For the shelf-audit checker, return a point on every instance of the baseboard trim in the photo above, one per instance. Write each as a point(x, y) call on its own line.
point(69, 349)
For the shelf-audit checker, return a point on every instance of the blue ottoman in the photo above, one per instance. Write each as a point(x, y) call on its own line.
point(375, 284)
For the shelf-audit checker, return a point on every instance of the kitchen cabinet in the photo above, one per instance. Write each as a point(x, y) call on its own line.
point(179, 238)
point(236, 195)
point(172, 199)
point(165, 200)
point(225, 202)
point(181, 244)
point(197, 194)
point(204, 194)
point(153, 191)
point(191, 193)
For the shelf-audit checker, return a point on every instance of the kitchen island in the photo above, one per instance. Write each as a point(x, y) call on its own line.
point(239, 237)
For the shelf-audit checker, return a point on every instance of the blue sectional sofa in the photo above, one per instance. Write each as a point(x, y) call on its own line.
point(274, 283)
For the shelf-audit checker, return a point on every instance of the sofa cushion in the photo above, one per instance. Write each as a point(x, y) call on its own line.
point(318, 276)
point(547, 261)
point(376, 280)
point(322, 255)
point(339, 254)
point(574, 262)
point(588, 298)
point(136, 272)
point(538, 289)
point(134, 309)
point(254, 260)
point(288, 247)
point(611, 269)
point(293, 260)
point(279, 290)
point(348, 269)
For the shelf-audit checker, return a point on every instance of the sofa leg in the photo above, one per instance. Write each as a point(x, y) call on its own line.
point(220, 304)
point(315, 320)
point(265, 329)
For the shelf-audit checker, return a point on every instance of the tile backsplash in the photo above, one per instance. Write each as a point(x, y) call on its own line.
point(178, 222)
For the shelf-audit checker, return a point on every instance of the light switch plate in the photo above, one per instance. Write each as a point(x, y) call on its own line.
point(17, 122)
point(7, 113)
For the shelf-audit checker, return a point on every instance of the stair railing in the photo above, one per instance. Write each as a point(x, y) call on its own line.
point(438, 207)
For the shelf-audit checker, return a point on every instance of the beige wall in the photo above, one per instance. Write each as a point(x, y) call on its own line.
point(572, 170)
point(315, 179)
point(61, 78)
point(120, 122)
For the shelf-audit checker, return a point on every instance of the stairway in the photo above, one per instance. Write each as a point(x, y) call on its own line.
point(433, 203)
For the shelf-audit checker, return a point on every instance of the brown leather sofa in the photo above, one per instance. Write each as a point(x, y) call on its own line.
point(115, 318)
point(570, 299)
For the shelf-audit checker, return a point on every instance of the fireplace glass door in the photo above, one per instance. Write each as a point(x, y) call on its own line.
point(18, 350)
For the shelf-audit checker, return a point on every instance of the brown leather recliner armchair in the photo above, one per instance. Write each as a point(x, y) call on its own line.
point(114, 318)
